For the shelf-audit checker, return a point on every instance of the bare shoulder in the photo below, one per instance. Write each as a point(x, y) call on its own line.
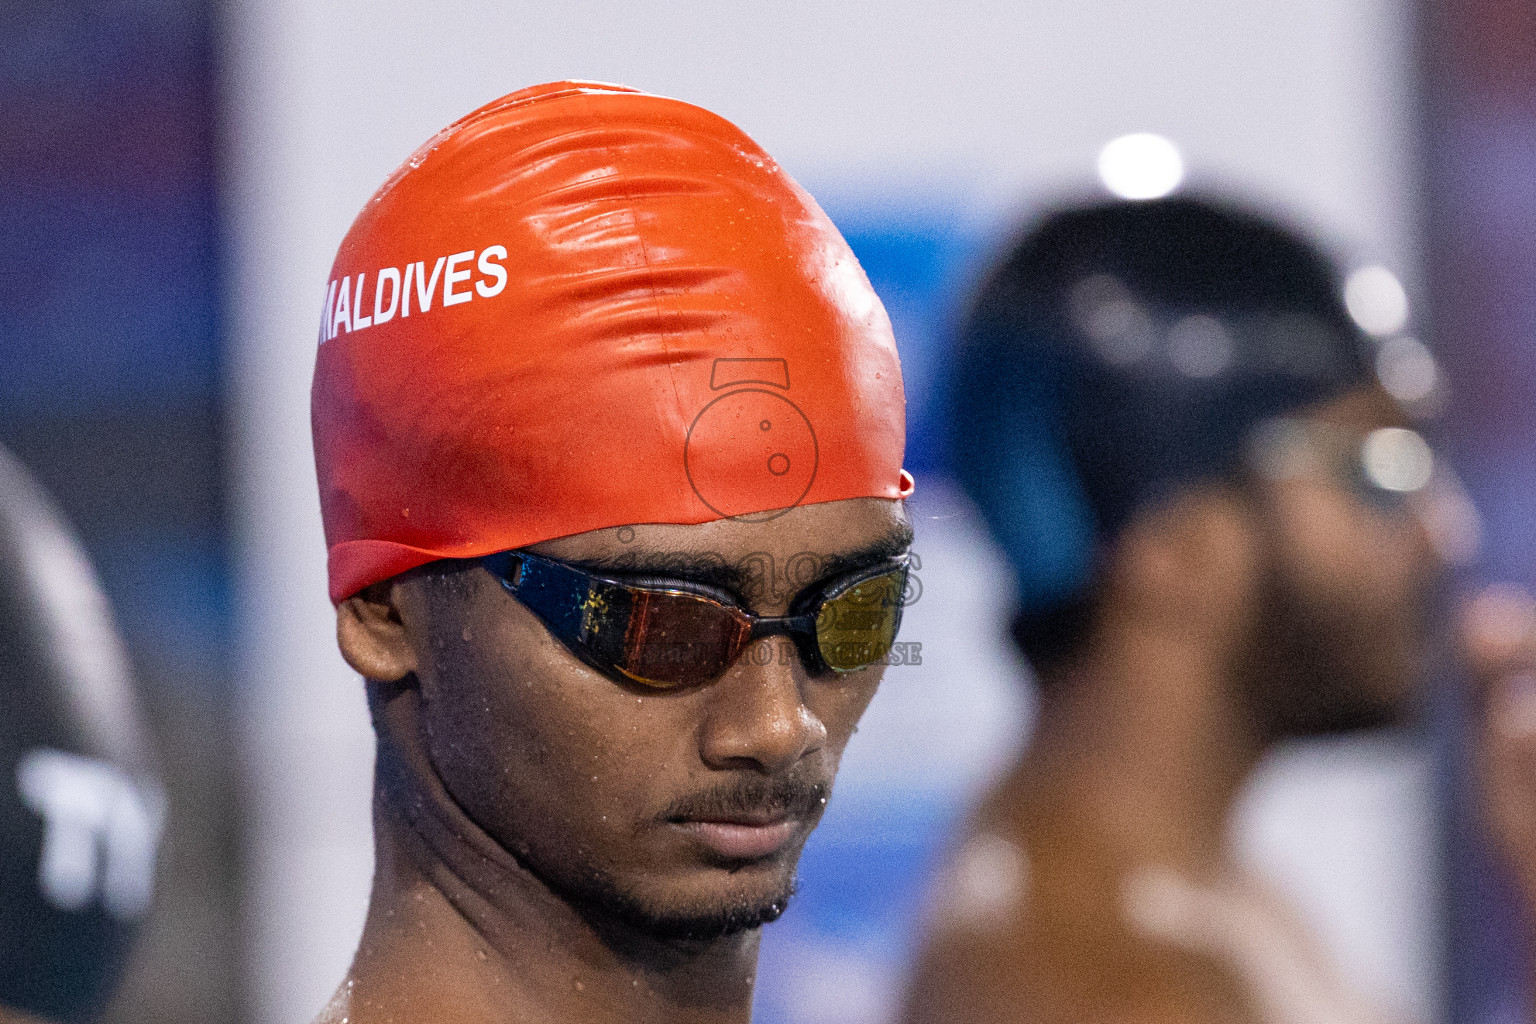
point(1022, 928)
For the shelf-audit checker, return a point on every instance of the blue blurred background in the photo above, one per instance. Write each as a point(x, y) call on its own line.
point(174, 176)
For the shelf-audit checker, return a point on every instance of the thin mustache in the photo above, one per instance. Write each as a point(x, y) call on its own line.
point(787, 796)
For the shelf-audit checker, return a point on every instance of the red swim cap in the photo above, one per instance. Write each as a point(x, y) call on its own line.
point(583, 306)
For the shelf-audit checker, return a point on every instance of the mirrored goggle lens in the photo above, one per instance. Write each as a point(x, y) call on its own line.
point(665, 638)
point(857, 627)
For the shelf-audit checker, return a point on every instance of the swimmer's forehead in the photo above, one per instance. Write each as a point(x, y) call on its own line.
point(836, 538)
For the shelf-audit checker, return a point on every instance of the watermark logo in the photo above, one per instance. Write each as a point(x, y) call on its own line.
point(751, 446)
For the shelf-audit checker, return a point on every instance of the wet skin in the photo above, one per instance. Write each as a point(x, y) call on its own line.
point(556, 845)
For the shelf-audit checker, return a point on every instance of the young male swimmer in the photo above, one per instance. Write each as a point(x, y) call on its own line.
point(586, 358)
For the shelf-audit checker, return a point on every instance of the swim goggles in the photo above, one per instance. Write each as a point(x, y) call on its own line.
point(666, 633)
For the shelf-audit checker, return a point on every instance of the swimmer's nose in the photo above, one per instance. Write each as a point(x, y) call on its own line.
point(758, 718)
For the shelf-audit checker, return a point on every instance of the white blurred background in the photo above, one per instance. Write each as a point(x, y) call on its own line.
point(925, 129)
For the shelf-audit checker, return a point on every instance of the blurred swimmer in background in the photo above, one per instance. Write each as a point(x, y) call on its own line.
point(1225, 534)
point(80, 806)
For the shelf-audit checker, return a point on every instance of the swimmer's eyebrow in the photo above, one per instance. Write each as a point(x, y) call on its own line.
point(712, 570)
point(892, 545)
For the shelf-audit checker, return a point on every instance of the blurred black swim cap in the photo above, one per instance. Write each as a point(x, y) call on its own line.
point(1121, 351)
point(80, 808)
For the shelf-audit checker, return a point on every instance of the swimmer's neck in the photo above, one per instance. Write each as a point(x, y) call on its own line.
point(1145, 742)
point(458, 930)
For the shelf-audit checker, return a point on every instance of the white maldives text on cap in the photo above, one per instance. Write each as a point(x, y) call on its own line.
point(344, 300)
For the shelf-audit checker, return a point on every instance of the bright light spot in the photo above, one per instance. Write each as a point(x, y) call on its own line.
point(1199, 347)
point(1376, 300)
point(986, 883)
point(1407, 370)
point(1140, 166)
point(850, 289)
point(1396, 459)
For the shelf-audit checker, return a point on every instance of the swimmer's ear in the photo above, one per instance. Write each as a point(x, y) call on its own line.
point(371, 636)
point(1192, 555)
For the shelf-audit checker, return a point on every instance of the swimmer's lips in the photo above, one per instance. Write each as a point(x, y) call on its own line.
point(743, 837)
